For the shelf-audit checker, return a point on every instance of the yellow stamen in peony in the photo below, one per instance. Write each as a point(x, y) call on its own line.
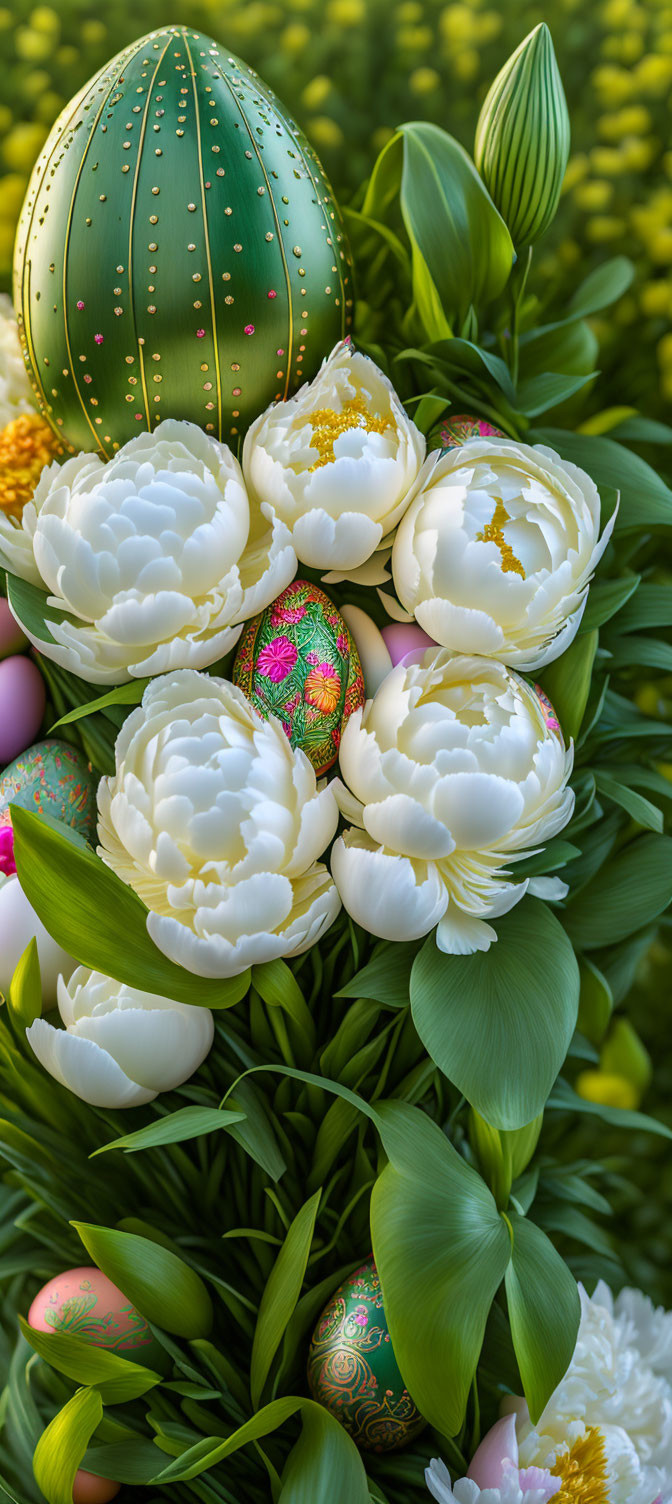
point(328, 425)
point(583, 1471)
point(27, 444)
point(492, 533)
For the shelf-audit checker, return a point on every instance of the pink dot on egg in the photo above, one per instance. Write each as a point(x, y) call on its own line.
point(200, 333)
point(402, 638)
point(22, 702)
point(272, 293)
point(81, 306)
point(249, 329)
point(99, 338)
point(7, 863)
point(279, 352)
point(88, 1488)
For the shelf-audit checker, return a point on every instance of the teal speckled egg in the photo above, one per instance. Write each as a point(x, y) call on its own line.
point(52, 778)
point(352, 1369)
point(297, 660)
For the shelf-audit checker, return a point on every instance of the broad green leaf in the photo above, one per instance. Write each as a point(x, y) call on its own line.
point(645, 499)
point(210, 1450)
point(25, 991)
point(629, 892)
point(595, 1002)
point(256, 1134)
point(564, 1099)
point(116, 1378)
point(324, 1463)
point(602, 286)
point(634, 429)
point(174, 1128)
point(567, 682)
point(553, 857)
point(544, 1311)
point(636, 805)
point(29, 605)
point(165, 1290)
point(61, 1447)
point(638, 651)
point(605, 598)
point(441, 1250)
point(386, 978)
point(451, 221)
point(536, 394)
point(103, 923)
point(568, 346)
point(651, 607)
point(491, 1021)
point(281, 1293)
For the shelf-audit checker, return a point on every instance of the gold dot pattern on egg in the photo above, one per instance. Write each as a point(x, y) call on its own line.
point(176, 134)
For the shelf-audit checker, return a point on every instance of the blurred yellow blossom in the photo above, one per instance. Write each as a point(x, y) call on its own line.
point(317, 91)
point(325, 132)
point(424, 80)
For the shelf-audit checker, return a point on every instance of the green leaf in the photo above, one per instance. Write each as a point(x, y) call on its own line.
point(174, 1128)
point(536, 394)
point(100, 912)
point(324, 1463)
point(451, 221)
point(567, 682)
point(544, 1311)
point(595, 1003)
point(386, 978)
point(636, 805)
point(281, 1293)
point(441, 1250)
point(568, 345)
point(492, 1023)
point(61, 1447)
point(631, 890)
point(605, 598)
point(25, 991)
point(29, 606)
point(565, 1099)
point(645, 499)
point(116, 1378)
point(122, 694)
point(603, 286)
point(165, 1290)
point(651, 607)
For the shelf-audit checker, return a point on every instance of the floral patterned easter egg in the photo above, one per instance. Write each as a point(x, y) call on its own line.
point(457, 429)
point(352, 1369)
point(86, 1304)
point(52, 778)
point(297, 660)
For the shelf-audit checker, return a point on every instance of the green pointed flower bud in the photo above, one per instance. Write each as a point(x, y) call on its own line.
point(522, 138)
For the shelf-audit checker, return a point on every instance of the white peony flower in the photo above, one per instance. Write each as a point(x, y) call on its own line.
point(16, 393)
point(497, 549)
point(19, 924)
point(337, 463)
point(152, 555)
point(458, 769)
point(511, 1489)
point(120, 1047)
point(217, 822)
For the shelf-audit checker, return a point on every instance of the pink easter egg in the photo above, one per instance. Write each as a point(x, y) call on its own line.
point(22, 702)
point(88, 1488)
point(405, 637)
point(85, 1303)
point(12, 639)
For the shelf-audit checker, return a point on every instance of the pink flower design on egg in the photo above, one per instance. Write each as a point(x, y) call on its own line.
point(277, 659)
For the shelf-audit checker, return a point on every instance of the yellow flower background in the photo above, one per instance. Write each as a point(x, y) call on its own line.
point(351, 70)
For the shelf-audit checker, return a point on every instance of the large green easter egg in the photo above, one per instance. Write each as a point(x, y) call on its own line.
point(352, 1369)
point(297, 660)
point(180, 253)
point(51, 778)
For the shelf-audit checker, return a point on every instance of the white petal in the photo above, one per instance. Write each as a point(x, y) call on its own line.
point(84, 1068)
point(388, 895)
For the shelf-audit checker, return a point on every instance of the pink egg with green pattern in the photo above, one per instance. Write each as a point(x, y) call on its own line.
point(84, 1303)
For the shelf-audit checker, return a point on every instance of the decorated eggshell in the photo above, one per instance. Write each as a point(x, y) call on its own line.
point(297, 660)
point(19, 924)
point(352, 1369)
point(52, 778)
point(88, 1488)
point(22, 701)
point(176, 212)
point(548, 711)
point(12, 639)
point(86, 1304)
point(454, 431)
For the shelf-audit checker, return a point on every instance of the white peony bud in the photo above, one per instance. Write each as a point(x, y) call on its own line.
point(457, 768)
point(337, 463)
point(19, 925)
point(120, 1047)
point(496, 551)
point(217, 822)
point(152, 555)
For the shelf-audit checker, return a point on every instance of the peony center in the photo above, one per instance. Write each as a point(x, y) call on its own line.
point(493, 533)
point(27, 444)
point(583, 1471)
point(328, 425)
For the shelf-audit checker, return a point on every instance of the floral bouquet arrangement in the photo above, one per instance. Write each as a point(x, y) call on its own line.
point(331, 819)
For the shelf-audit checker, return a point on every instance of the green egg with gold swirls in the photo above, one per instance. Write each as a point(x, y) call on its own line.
point(352, 1369)
point(179, 254)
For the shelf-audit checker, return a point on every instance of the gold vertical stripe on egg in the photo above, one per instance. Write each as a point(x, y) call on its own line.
point(269, 188)
point(206, 232)
point(134, 197)
point(68, 229)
